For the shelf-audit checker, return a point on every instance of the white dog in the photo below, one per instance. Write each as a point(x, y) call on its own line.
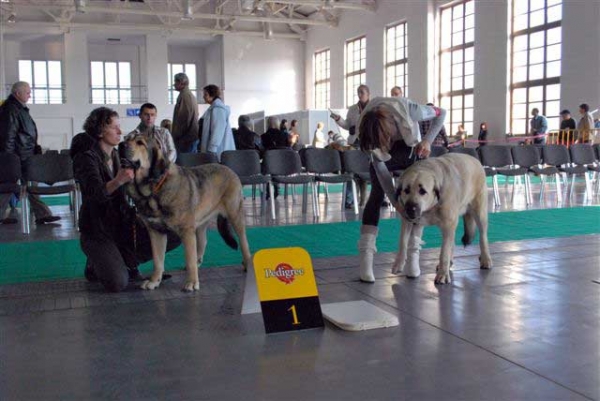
point(437, 191)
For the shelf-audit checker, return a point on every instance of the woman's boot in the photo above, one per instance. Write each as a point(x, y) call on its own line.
point(367, 249)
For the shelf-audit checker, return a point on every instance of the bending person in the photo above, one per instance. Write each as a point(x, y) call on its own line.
point(111, 237)
point(389, 132)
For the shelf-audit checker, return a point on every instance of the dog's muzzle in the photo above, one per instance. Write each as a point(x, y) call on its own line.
point(125, 155)
point(412, 211)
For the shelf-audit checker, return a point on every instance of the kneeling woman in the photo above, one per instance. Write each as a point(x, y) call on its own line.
point(110, 235)
point(389, 132)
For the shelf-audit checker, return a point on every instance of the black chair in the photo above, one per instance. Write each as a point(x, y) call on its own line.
point(326, 165)
point(65, 151)
point(11, 182)
point(51, 152)
point(246, 164)
point(195, 159)
point(357, 163)
point(437, 151)
point(51, 169)
point(583, 154)
point(529, 157)
point(597, 151)
point(558, 156)
point(465, 151)
point(284, 167)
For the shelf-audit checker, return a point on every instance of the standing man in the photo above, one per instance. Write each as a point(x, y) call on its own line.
point(185, 117)
point(18, 135)
point(585, 125)
point(539, 126)
point(148, 128)
point(396, 92)
point(567, 127)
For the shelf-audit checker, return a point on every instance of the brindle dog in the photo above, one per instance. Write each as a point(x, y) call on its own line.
point(183, 200)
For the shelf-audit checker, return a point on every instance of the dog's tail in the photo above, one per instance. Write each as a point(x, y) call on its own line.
point(225, 230)
point(469, 227)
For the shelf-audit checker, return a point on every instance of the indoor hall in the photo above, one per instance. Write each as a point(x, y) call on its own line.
point(525, 330)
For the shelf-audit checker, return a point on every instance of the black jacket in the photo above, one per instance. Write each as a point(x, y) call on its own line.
point(102, 216)
point(274, 139)
point(245, 139)
point(18, 132)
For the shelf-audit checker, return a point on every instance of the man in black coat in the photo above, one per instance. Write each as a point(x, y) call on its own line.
point(18, 135)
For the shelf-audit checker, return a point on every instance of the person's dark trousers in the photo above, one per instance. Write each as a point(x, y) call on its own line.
point(193, 148)
point(539, 141)
point(401, 159)
point(111, 263)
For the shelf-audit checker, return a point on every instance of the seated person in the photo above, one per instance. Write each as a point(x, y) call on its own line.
point(244, 137)
point(294, 140)
point(335, 140)
point(111, 237)
point(274, 138)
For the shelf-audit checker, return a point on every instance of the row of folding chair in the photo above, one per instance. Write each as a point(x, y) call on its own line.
point(542, 161)
point(48, 174)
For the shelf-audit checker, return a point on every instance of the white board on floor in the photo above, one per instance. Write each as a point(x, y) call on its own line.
point(250, 304)
point(358, 316)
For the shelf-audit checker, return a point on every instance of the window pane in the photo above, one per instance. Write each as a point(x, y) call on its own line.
point(469, 81)
point(468, 100)
point(469, 35)
point(54, 74)
point(55, 96)
point(536, 56)
point(40, 79)
point(552, 108)
point(520, 74)
point(536, 71)
point(110, 75)
point(553, 69)
point(555, 13)
point(536, 18)
point(520, 95)
point(553, 52)
point(124, 75)
point(112, 96)
point(190, 70)
point(536, 39)
point(554, 35)
point(25, 73)
point(125, 96)
point(98, 96)
point(520, 59)
point(520, 43)
point(520, 7)
point(536, 4)
point(520, 22)
point(536, 94)
point(553, 92)
point(40, 96)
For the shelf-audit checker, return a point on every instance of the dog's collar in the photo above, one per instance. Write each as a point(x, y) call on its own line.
point(160, 183)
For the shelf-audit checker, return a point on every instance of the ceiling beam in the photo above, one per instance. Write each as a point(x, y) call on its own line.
point(332, 4)
point(140, 28)
point(136, 11)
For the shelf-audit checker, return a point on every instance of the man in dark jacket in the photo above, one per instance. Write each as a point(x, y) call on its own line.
point(244, 137)
point(18, 135)
point(274, 138)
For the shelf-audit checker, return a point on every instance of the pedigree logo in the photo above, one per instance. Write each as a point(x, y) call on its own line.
point(284, 273)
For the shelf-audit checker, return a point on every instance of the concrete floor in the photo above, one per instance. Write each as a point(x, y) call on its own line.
point(527, 330)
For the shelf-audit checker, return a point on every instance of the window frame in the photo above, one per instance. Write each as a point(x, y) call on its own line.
point(361, 73)
point(47, 88)
point(528, 83)
point(464, 93)
point(121, 91)
point(325, 82)
point(396, 62)
point(172, 97)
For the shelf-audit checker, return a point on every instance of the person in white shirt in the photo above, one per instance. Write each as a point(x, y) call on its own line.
point(353, 115)
point(319, 140)
point(147, 127)
point(389, 133)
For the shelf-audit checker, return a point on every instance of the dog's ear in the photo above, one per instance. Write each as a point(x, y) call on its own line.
point(157, 163)
point(398, 191)
point(437, 187)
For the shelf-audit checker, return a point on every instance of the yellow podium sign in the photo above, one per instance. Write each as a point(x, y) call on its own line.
point(287, 289)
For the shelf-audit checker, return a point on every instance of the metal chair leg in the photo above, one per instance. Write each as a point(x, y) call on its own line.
point(496, 192)
point(304, 197)
point(272, 200)
point(354, 195)
point(559, 197)
point(315, 201)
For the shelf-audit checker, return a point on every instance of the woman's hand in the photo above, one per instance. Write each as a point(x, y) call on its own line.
point(125, 175)
point(336, 117)
point(423, 149)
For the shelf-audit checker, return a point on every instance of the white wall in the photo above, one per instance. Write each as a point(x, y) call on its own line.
point(580, 79)
point(263, 75)
point(214, 63)
point(580, 57)
point(354, 24)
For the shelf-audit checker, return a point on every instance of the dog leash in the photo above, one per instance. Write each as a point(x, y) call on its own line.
point(160, 183)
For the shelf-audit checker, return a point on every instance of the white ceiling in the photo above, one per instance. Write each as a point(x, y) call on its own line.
point(268, 18)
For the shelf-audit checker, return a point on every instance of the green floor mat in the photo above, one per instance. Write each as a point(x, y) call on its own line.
point(38, 261)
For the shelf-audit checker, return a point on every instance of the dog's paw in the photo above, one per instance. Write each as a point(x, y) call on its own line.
point(150, 285)
point(485, 262)
point(442, 277)
point(191, 286)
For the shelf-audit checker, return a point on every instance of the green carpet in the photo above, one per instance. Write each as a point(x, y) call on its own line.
point(40, 261)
